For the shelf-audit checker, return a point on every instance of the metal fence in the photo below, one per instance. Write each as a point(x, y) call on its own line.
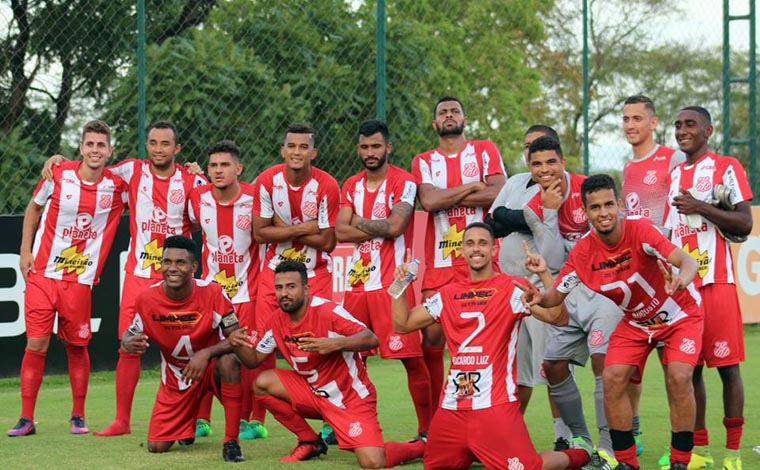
point(245, 69)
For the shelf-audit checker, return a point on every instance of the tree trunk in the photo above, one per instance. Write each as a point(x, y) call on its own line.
point(19, 81)
point(62, 105)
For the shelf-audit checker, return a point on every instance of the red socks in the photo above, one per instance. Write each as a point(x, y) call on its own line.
point(79, 376)
point(700, 437)
point(283, 412)
point(734, 428)
point(231, 400)
point(433, 356)
point(418, 380)
point(397, 453)
point(578, 457)
point(258, 410)
point(32, 369)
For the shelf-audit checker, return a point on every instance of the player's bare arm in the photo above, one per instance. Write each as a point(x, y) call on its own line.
point(197, 364)
point(737, 221)
point(532, 296)
point(405, 320)
point(485, 197)
point(435, 199)
point(244, 349)
point(361, 341)
point(31, 220)
point(134, 343)
point(265, 231)
point(687, 271)
point(391, 227)
point(47, 168)
point(323, 240)
point(345, 231)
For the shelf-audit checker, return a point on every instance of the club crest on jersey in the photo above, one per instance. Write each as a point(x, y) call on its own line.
point(309, 209)
point(650, 178)
point(177, 196)
point(688, 346)
point(721, 349)
point(395, 343)
point(704, 184)
point(379, 210)
point(355, 429)
point(470, 169)
point(579, 216)
point(105, 201)
point(243, 222)
point(513, 463)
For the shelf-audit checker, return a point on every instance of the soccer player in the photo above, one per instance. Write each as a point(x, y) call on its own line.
point(479, 415)
point(183, 316)
point(557, 220)
point(645, 187)
point(294, 212)
point(624, 261)
point(78, 213)
point(507, 220)
point(321, 341)
point(701, 229)
point(456, 184)
point(231, 256)
point(377, 215)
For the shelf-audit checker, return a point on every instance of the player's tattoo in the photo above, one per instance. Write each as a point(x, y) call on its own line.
point(382, 227)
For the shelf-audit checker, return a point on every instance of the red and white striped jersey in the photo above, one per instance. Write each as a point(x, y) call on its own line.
point(476, 161)
point(374, 261)
point(78, 223)
point(645, 183)
point(627, 273)
point(572, 220)
point(231, 256)
point(317, 199)
point(338, 377)
point(481, 321)
point(705, 244)
point(181, 328)
point(157, 209)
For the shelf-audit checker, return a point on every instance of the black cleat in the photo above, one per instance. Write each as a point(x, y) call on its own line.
point(231, 452)
point(561, 444)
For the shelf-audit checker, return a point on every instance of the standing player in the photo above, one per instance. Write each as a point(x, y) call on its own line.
point(78, 212)
point(702, 229)
point(479, 415)
point(224, 210)
point(456, 183)
point(320, 340)
point(294, 211)
point(645, 187)
point(623, 260)
point(557, 220)
point(183, 317)
point(376, 214)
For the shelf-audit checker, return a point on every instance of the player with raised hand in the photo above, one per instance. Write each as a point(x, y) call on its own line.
point(620, 259)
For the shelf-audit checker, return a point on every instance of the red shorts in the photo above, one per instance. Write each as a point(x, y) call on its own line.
point(355, 425)
point(497, 436)
point(682, 342)
point(266, 302)
point(44, 297)
point(374, 310)
point(723, 340)
point(245, 313)
point(175, 412)
point(132, 286)
point(435, 278)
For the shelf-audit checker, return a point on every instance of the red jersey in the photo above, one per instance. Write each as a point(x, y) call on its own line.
point(78, 223)
point(374, 262)
point(627, 273)
point(572, 220)
point(317, 199)
point(481, 321)
point(340, 376)
point(475, 162)
point(158, 209)
point(231, 256)
point(705, 244)
point(180, 328)
point(645, 183)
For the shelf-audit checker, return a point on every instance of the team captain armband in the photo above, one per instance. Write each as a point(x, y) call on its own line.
point(229, 320)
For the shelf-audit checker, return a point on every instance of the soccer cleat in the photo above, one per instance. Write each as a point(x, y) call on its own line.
point(203, 429)
point(306, 450)
point(625, 466)
point(678, 466)
point(596, 462)
point(24, 427)
point(250, 430)
point(732, 463)
point(561, 444)
point(609, 458)
point(328, 435)
point(231, 452)
point(78, 425)
point(187, 442)
point(639, 445)
point(701, 459)
point(422, 436)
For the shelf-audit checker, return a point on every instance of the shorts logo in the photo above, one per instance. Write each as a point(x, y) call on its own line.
point(105, 201)
point(395, 343)
point(596, 338)
point(280, 203)
point(355, 429)
point(379, 210)
point(515, 464)
point(721, 349)
point(651, 177)
point(688, 346)
point(177, 196)
point(310, 209)
point(84, 331)
point(243, 222)
point(470, 169)
point(703, 184)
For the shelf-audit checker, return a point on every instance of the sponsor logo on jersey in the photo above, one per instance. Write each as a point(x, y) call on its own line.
point(701, 257)
point(177, 318)
point(72, 261)
point(617, 262)
point(355, 429)
point(158, 223)
point(243, 222)
point(451, 244)
point(658, 159)
point(82, 229)
point(151, 255)
point(632, 201)
point(295, 255)
point(650, 178)
point(721, 349)
point(466, 384)
point(226, 253)
point(368, 246)
point(688, 346)
point(461, 211)
point(360, 271)
point(482, 294)
point(229, 283)
point(296, 337)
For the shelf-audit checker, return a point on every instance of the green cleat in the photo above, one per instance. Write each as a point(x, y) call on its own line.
point(203, 429)
point(701, 459)
point(732, 460)
point(250, 430)
point(639, 445)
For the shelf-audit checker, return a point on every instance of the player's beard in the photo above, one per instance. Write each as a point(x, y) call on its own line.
point(379, 164)
point(456, 130)
point(293, 306)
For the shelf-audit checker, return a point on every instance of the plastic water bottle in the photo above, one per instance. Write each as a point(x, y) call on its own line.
point(442, 221)
point(399, 285)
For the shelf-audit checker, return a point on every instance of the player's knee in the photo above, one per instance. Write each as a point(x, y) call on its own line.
point(371, 459)
point(679, 381)
point(229, 368)
point(158, 447)
point(39, 344)
point(614, 381)
point(729, 374)
point(555, 370)
point(263, 382)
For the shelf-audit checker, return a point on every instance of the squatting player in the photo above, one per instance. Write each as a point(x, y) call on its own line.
point(320, 340)
point(479, 415)
point(80, 209)
point(692, 186)
point(377, 215)
point(624, 261)
point(456, 184)
point(183, 316)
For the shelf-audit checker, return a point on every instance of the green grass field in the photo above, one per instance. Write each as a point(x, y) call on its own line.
point(53, 447)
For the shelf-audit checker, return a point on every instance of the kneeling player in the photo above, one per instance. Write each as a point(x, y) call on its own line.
point(183, 316)
point(320, 340)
